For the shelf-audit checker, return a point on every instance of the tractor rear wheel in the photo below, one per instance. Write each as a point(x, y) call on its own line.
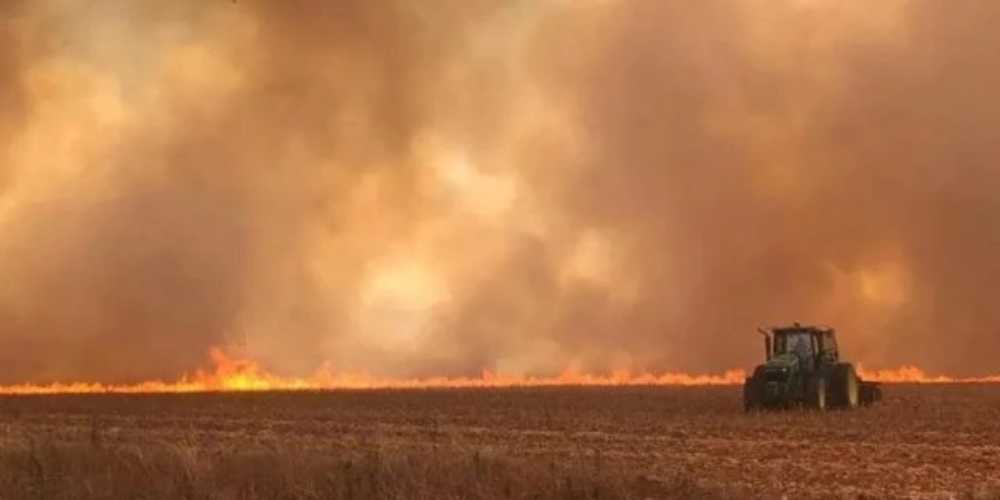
point(750, 400)
point(846, 387)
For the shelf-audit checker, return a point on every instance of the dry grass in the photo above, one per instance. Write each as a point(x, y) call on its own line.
point(924, 442)
point(162, 471)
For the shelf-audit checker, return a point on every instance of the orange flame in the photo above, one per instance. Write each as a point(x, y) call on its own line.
point(912, 374)
point(246, 375)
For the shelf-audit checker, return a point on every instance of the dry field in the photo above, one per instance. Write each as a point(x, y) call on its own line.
point(933, 441)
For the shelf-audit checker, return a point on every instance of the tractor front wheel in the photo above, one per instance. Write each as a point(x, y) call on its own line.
point(817, 394)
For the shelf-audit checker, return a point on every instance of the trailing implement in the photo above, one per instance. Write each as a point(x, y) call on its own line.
point(803, 368)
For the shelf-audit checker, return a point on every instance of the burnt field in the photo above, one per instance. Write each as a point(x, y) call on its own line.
point(927, 441)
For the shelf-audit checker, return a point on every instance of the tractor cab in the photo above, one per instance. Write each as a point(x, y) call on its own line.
point(814, 347)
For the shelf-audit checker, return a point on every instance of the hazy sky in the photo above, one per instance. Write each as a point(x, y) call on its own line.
point(436, 188)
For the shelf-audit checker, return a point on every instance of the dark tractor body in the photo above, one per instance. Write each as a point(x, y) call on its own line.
point(803, 368)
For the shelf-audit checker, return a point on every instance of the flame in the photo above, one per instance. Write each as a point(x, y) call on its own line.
point(246, 375)
point(912, 374)
point(231, 375)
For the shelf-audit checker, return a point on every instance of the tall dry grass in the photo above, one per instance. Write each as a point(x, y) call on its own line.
point(630, 442)
point(60, 471)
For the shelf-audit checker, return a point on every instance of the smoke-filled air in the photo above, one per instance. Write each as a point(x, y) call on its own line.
point(494, 190)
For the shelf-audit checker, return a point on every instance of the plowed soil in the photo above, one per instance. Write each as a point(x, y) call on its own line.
point(929, 441)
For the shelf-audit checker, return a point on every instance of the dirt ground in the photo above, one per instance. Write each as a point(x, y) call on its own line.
point(928, 441)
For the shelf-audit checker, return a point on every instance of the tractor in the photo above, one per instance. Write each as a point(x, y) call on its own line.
point(803, 369)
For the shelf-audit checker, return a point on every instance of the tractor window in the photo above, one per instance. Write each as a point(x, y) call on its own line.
point(829, 343)
point(830, 346)
point(800, 343)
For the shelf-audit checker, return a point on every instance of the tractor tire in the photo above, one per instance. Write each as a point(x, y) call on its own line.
point(846, 388)
point(751, 400)
point(818, 394)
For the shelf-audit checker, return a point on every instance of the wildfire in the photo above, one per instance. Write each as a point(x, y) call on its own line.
point(246, 375)
point(231, 375)
point(912, 374)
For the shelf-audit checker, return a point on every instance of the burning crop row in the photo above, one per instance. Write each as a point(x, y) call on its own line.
point(230, 375)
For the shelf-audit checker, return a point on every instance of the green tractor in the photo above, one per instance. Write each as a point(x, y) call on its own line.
point(803, 368)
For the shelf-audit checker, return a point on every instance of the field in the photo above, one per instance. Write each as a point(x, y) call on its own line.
point(924, 441)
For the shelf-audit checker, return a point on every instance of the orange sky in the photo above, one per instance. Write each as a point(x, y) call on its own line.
point(434, 189)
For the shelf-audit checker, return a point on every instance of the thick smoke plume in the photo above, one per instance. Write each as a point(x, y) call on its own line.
point(437, 188)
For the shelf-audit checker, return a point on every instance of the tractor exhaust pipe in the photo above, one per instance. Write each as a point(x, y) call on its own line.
point(767, 343)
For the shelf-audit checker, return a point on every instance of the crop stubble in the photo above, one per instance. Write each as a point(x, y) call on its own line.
point(923, 441)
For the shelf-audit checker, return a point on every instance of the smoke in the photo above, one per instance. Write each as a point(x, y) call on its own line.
point(436, 189)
